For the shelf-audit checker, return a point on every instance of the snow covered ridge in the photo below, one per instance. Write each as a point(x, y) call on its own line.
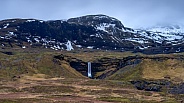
point(176, 28)
point(159, 37)
point(170, 33)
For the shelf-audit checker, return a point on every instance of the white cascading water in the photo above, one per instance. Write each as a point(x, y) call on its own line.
point(89, 70)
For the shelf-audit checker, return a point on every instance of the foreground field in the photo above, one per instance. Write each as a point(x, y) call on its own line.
point(37, 89)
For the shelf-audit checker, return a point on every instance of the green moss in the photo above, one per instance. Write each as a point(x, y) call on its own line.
point(128, 73)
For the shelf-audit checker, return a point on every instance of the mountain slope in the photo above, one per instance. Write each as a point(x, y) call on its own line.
point(86, 32)
point(34, 62)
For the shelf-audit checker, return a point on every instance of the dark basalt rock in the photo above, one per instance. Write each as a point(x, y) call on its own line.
point(153, 87)
point(147, 85)
point(178, 89)
point(61, 31)
point(140, 85)
point(157, 85)
point(8, 53)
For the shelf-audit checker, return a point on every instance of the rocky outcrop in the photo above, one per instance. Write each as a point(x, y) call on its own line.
point(151, 85)
point(177, 89)
point(109, 66)
point(158, 86)
point(97, 21)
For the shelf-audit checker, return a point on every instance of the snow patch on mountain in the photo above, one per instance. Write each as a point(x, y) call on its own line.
point(6, 25)
point(12, 34)
point(90, 47)
point(104, 26)
point(41, 21)
point(30, 20)
point(23, 47)
point(79, 46)
point(13, 21)
point(139, 40)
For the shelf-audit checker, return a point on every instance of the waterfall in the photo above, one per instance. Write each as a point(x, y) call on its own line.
point(89, 70)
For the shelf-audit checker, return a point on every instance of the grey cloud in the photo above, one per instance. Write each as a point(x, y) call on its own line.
point(132, 13)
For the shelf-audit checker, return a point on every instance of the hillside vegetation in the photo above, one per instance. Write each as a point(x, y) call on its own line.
point(33, 75)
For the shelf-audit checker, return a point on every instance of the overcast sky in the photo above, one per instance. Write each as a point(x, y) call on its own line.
point(132, 13)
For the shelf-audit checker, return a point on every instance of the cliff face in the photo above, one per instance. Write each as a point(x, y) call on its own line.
point(110, 66)
point(149, 73)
